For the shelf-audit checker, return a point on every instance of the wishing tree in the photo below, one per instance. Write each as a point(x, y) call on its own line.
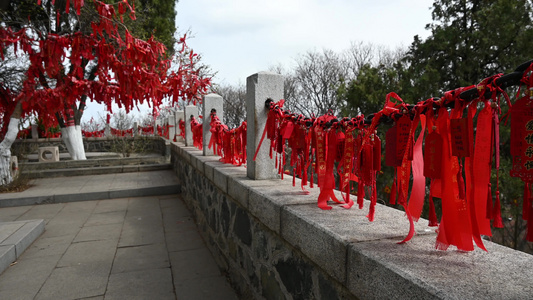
point(86, 53)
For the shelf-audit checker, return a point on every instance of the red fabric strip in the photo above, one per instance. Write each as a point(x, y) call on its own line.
point(455, 228)
point(482, 169)
point(418, 191)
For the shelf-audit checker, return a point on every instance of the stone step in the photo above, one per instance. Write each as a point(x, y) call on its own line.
point(15, 238)
point(95, 170)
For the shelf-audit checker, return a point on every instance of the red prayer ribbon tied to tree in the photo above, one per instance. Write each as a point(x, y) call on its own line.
point(121, 132)
point(127, 71)
point(427, 141)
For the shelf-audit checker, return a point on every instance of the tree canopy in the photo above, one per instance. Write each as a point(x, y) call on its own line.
point(469, 40)
point(76, 51)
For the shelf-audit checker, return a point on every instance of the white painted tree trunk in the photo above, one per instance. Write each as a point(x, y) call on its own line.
point(74, 141)
point(5, 151)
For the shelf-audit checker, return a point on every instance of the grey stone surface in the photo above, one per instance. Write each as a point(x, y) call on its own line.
point(260, 87)
point(49, 246)
point(78, 257)
point(11, 213)
point(193, 264)
point(64, 283)
point(211, 101)
point(24, 279)
point(417, 271)
point(138, 258)
point(185, 240)
point(203, 160)
point(7, 256)
point(222, 172)
point(209, 169)
point(190, 110)
point(99, 233)
point(22, 237)
point(172, 126)
point(266, 202)
point(89, 253)
point(320, 236)
point(145, 284)
point(205, 288)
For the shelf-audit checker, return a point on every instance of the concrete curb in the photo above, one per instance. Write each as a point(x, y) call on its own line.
point(15, 238)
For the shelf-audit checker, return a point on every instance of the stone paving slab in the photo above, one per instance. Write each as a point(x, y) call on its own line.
point(128, 248)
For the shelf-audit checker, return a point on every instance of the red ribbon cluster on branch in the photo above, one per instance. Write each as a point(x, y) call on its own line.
point(146, 130)
point(98, 133)
point(120, 132)
point(127, 70)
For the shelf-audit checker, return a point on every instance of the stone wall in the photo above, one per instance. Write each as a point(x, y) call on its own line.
point(274, 243)
point(151, 144)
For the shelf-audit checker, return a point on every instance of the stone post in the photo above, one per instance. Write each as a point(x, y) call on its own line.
point(135, 129)
point(211, 101)
point(172, 127)
point(157, 123)
point(34, 131)
point(190, 110)
point(180, 115)
point(260, 87)
point(107, 130)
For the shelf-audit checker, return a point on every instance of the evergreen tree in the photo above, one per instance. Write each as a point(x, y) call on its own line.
point(469, 40)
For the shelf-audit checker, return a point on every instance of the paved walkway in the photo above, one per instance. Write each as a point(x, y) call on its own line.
point(128, 248)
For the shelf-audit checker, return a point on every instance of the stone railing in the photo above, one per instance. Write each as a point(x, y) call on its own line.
point(275, 243)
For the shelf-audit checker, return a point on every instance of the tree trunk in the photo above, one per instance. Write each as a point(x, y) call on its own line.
point(74, 141)
point(5, 152)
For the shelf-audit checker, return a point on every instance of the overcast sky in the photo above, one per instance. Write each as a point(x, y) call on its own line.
point(238, 38)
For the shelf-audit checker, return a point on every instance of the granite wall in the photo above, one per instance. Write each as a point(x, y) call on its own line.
point(150, 144)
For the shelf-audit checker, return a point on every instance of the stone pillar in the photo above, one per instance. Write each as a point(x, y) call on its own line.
point(190, 110)
point(135, 129)
point(260, 87)
point(107, 130)
point(34, 131)
point(157, 123)
point(211, 101)
point(171, 127)
point(180, 115)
